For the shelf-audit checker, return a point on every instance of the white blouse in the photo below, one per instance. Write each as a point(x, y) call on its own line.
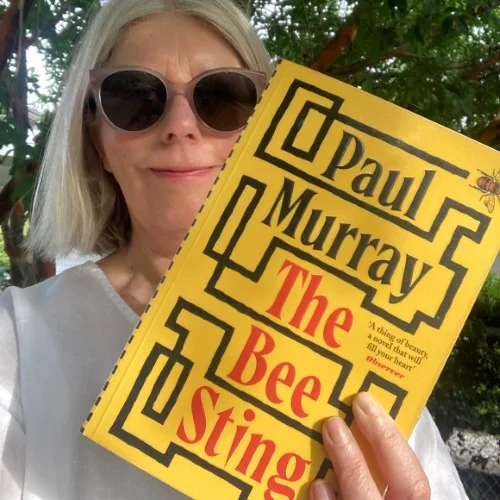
point(58, 341)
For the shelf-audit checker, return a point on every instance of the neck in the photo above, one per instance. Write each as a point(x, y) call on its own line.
point(150, 256)
point(134, 271)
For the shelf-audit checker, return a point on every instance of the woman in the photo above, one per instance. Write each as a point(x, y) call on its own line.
point(125, 181)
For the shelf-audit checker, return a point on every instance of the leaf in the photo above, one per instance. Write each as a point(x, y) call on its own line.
point(23, 188)
point(419, 33)
point(368, 85)
point(447, 25)
point(403, 5)
point(18, 166)
point(461, 23)
point(23, 152)
point(467, 106)
point(375, 47)
point(398, 6)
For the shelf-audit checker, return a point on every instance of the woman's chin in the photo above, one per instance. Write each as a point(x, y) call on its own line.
point(178, 217)
point(172, 207)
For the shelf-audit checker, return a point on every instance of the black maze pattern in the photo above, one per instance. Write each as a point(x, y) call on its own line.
point(177, 369)
point(173, 357)
point(225, 261)
point(332, 115)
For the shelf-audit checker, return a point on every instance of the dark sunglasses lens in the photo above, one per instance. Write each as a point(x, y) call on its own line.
point(133, 100)
point(225, 101)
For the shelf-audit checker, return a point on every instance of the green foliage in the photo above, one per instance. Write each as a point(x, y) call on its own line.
point(53, 27)
point(487, 306)
point(295, 29)
point(4, 266)
point(4, 258)
point(467, 394)
point(420, 54)
point(5, 279)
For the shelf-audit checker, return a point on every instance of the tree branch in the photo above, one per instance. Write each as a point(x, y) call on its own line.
point(338, 45)
point(341, 41)
point(491, 134)
point(404, 49)
point(489, 75)
point(11, 237)
point(19, 101)
point(486, 9)
point(9, 27)
point(401, 51)
point(476, 70)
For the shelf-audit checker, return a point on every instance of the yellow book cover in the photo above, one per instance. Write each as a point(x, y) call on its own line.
point(340, 250)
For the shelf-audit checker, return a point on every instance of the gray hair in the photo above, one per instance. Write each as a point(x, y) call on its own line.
point(78, 206)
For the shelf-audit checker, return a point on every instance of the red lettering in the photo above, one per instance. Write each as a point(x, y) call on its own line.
point(332, 323)
point(282, 469)
point(308, 297)
point(258, 454)
point(240, 433)
point(250, 350)
point(220, 425)
point(274, 378)
point(376, 362)
point(311, 304)
point(269, 448)
point(290, 279)
point(198, 414)
point(283, 374)
point(300, 392)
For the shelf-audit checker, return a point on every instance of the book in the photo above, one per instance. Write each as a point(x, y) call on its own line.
point(340, 250)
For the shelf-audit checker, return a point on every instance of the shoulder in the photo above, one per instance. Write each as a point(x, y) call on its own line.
point(21, 305)
point(43, 315)
point(33, 312)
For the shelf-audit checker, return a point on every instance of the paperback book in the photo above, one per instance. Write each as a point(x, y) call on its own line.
point(340, 250)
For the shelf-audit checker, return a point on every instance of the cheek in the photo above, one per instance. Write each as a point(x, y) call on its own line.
point(119, 149)
point(225, 146)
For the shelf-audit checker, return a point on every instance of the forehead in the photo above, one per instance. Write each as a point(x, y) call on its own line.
point(176, 45)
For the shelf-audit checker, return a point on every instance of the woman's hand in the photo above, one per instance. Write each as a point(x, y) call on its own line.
point(401, 468)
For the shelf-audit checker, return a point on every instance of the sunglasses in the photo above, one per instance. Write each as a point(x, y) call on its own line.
point(133, 99)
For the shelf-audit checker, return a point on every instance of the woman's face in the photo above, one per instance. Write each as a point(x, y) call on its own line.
point(165, 172)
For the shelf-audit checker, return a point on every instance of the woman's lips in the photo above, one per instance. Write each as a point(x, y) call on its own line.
point(166, 173)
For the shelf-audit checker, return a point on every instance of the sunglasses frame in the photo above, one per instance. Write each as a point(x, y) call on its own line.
point(98, 75)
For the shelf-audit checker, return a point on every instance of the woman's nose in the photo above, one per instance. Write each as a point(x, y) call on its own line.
point(179, 122)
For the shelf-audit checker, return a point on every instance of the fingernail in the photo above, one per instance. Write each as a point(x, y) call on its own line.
point(321, 490)
point(367, 404)
point(337, 431)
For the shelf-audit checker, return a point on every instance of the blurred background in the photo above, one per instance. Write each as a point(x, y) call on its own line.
point(437, 58)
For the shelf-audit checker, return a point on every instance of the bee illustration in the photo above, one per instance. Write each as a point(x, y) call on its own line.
point(489, 185)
